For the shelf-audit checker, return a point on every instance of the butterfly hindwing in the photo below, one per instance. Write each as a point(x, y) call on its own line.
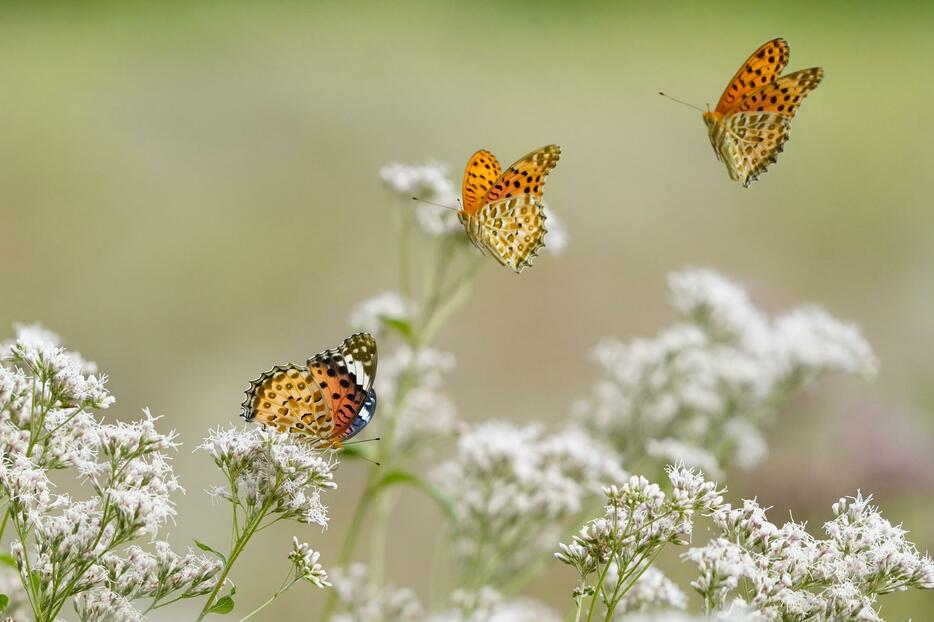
point(752, 142)
point(761, 68)
point(513, 230)
point(525, 176)
point(482, 171)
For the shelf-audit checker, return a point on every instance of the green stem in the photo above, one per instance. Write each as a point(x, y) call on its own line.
point(248, 530)
point(281, 590)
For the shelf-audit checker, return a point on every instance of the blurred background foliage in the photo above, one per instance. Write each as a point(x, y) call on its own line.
point(188, 194)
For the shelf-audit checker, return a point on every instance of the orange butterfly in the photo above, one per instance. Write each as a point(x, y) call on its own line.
point(326, 401)
point(502, 210)
point(750, 125)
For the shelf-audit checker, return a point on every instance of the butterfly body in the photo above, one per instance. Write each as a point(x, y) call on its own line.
point(326, 401)
point(752, 120)
point(502, 211)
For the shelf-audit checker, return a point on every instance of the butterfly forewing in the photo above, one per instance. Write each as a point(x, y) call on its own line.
point(482, 171)
point(526, 176)
point(761, 68)
point(288, 399)
point(785, 94)
point(513, 230)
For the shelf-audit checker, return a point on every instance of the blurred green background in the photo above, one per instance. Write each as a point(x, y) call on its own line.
point(189, 194)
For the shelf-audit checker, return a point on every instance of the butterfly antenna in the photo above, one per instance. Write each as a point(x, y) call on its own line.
point(683, 102)
point(362, 440)
point(435, 204)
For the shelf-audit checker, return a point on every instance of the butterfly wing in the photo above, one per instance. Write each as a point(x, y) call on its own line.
point(288, 399)
point(784, 94)
point(345, 376)
point(760, 69)
point(512, 230)
point(750, 141)
point(526, 176)
point(482, 171)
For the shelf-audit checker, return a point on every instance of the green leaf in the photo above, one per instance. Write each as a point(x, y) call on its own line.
point(36, 580)
point(205, 547)
point(405, 329)
point(4, 601)
point(398, 476)
point(223, 606)
point(7, 559)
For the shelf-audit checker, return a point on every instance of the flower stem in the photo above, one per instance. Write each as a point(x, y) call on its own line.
point(281, 590)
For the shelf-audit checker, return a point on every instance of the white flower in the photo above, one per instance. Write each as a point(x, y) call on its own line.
point(305, 562)
point(556, 238)
point(365, 602)
point(273, 470)
point(814, 340)
point(106, 606)
point(701, 390)
point(424, 412)
point(513, 489)
point(427, 182)
point(371, 314)
point(794, 575)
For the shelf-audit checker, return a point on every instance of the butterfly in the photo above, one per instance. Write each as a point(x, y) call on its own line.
point(750, 124)
point(502, 210)
point(326, 401)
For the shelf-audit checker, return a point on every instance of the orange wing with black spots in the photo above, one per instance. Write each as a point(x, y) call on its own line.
point(289, 399)
point(761, 68)
point(526, 176)
point(345, 376)
point(482, 171)
point(320, 401)
point(785, 94)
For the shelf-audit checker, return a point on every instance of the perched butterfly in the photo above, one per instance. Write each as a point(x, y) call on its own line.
point(502, 210)
point(327, 401)
point(750, 124)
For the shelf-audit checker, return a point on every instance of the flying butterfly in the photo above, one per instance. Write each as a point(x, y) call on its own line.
point(502, 210)
point(326, 401)
point(750, 124)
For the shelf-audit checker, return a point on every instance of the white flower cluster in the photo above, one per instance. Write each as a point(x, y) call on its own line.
point(514, 489)
point(700, 391)
point(271, 474)
point(639, 519)
point(363, 602)
point(410, 388)
point(305, 564)
point(428, 182)
point(67, 548)
point(792, 575)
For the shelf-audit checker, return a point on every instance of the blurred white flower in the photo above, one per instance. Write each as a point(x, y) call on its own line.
point(556, 237)
point(372, 314)
point(427, 182)
point(423, 412)
point(364, 602)
point(514, 489)
point(702, 389)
